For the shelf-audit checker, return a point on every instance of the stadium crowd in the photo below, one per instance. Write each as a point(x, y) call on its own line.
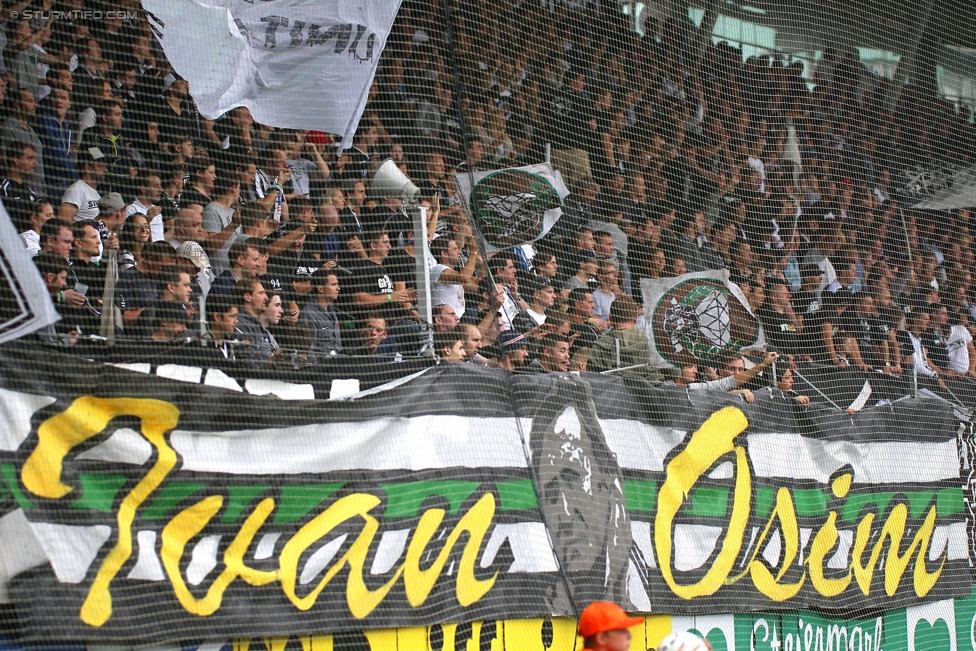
point(680, 156)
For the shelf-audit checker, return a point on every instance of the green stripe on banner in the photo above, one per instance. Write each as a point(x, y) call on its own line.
point(405, 500)
point(298, 501)
point(641, 495)
point(9, 474)
point(98, 491)
point(239, 497)
point(516, 495)
point(948, 501)
point(170, 496)
point(764, 502)
point(5, 493)
point(709, 502)
point(809, 502)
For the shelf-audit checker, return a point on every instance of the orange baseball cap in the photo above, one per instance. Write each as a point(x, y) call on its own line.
point(603, 616)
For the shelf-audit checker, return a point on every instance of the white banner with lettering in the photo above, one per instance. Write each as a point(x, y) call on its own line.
point(293, 63)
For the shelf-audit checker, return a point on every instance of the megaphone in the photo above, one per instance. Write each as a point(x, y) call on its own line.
point(389, 181)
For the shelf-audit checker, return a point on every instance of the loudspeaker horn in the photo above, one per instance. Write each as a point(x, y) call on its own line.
point(389, 181)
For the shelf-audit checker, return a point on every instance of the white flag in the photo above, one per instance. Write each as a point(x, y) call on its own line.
point(293, 63)
point(699, 318)
point(25, 303)
point(514, 205)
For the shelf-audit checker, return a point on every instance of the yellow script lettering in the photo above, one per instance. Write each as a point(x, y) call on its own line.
point(712, 440)
point(85, 418)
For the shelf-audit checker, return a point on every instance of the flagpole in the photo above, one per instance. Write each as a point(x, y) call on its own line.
point(904, 230)
point(107, 322)
point(814, 387)
point(459, 96)
point(422, 269)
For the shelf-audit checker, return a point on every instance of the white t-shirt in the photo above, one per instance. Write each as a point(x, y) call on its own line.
point(758, 165)
point(85, 197)
point(32, 241)
point(507, 313)
point(445, 293)
point(919, 358)
point(958, 344)
point(86, 120)
point(721, 384)
point(300, 181)
point(535, 316)
point(601, 303)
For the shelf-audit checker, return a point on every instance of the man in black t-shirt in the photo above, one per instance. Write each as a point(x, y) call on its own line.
point(371, 288)
point(19, 160)
point(808, 307)
point(780, 322)
point(840, 328)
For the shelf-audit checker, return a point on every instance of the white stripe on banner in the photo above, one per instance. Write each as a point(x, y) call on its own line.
point(427, 442)
point(20, 550)
point(530, 545)
point(71, 549)
point(694, 544)
point(952, 539)
point(16, 409)
point(123, 446)
point(148, 567)
point(640, 446)
point(419, 443)
point(791, 455)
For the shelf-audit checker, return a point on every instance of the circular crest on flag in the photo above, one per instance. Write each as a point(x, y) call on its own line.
point(700, 321)
point(510, 206)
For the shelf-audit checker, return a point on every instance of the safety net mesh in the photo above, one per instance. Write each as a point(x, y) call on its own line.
point(659, 303)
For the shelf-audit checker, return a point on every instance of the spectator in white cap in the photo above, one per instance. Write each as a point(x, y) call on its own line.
point(683, 641)
point(202, 269)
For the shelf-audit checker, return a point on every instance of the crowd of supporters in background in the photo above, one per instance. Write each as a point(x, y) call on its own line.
point(681, 157)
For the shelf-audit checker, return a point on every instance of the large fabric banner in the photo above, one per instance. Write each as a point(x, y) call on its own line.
point(142, 509)
point(273, 56)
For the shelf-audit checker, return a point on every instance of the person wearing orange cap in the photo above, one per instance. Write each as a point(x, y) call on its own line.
point(603, 626)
